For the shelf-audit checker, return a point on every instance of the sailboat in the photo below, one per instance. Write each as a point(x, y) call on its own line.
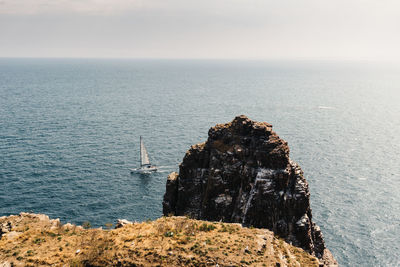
point(145, 165)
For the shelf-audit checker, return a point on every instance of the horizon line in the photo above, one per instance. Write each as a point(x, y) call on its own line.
point(208, 59)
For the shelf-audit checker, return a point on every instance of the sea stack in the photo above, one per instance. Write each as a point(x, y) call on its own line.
point(243, 174)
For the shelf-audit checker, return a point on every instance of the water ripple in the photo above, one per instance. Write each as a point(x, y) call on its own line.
point(69, 134)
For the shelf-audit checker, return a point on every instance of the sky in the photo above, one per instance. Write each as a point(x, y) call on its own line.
point(203, 29)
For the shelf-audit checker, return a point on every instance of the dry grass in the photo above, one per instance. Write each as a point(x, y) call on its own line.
point(174, 241)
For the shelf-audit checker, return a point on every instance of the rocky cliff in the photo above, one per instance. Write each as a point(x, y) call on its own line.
point(243, 174)
point(36, 240)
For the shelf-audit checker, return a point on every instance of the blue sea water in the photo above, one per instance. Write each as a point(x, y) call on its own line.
point(69, 132)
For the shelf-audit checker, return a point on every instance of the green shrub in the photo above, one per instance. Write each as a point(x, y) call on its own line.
point(169, 234)
point(51, 234)
point(29, 253)
point(86, 225)
point(39, 240)
point(206, 227)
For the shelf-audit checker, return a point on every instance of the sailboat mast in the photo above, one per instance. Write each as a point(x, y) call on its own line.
point(140, 151)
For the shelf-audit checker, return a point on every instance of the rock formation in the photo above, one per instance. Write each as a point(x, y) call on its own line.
point(243, 174)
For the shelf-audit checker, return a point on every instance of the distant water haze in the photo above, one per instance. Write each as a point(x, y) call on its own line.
point(251, 29)
point(69, 133)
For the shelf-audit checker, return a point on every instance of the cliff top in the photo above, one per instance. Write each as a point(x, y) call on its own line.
point(34, 239)
point(243, 122)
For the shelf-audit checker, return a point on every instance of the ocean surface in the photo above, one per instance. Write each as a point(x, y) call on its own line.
point(69, 132)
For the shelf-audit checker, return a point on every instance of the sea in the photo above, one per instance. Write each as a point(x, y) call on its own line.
point(69, 133)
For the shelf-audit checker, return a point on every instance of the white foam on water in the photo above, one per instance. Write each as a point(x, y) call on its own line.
point(325, 107)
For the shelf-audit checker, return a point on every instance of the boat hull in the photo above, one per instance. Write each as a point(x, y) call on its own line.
point(144, 170)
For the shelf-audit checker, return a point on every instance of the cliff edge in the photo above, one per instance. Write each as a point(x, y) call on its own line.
point(243, 174)
point(36, 240)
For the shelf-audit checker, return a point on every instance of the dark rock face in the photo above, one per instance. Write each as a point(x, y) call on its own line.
point(243, 174)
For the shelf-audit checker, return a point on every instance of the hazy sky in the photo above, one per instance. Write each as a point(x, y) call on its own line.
point(249, 29)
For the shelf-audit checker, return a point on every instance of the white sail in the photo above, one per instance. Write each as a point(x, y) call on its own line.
point(145, 165)
point(144, 157)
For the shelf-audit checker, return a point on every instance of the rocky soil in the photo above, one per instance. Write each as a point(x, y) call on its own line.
point(243, 174)
point(35, 240)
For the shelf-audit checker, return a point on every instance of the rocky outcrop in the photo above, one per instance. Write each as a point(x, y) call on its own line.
point(122, 222)
point(5, 228)
point(243, 174)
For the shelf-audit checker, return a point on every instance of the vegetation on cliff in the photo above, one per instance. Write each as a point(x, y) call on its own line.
point(34, 239)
